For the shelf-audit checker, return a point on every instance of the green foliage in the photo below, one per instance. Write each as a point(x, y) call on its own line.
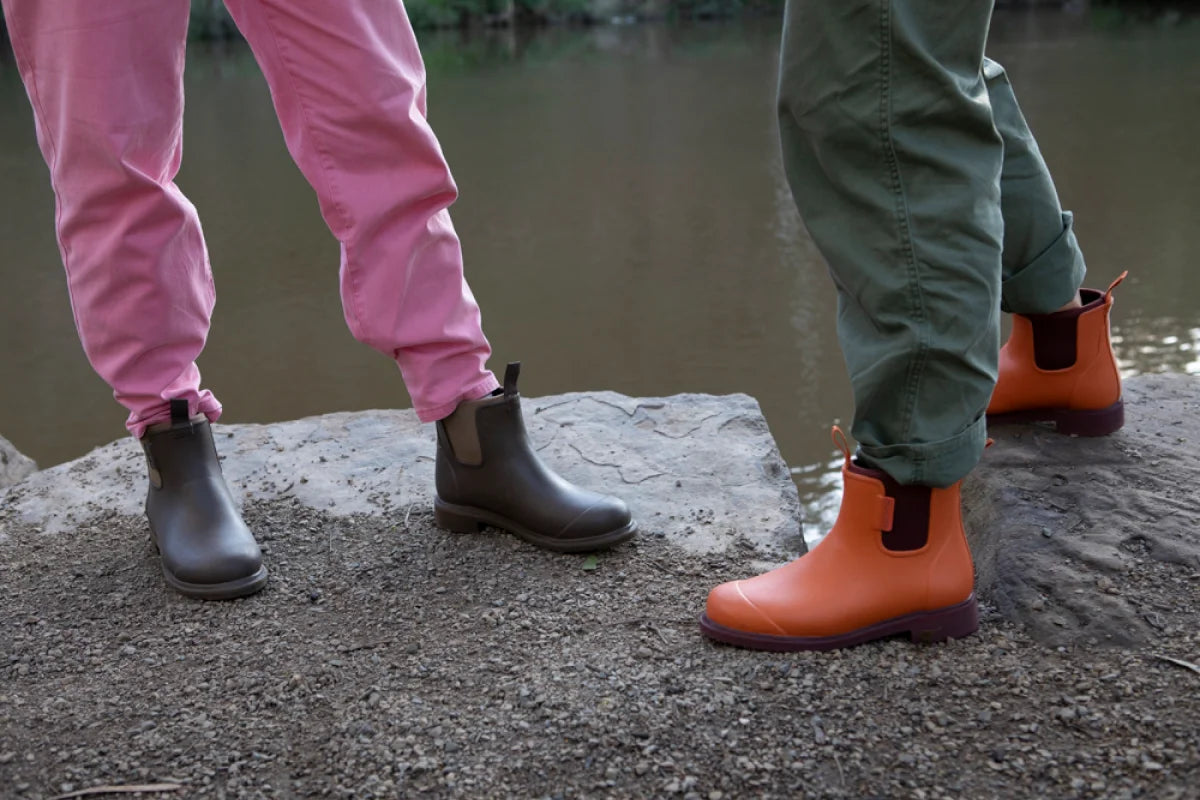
point(210, 20)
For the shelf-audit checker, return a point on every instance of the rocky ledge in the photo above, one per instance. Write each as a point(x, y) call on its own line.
point(387, 658)
point(699, 470)
point(1094, 540)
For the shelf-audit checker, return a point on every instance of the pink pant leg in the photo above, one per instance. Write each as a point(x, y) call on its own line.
point(349, 88)
point(105, 80)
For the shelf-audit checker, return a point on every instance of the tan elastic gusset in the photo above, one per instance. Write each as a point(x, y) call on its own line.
point(463, 433)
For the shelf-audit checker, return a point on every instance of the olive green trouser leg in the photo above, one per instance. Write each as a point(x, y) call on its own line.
point(920, 183)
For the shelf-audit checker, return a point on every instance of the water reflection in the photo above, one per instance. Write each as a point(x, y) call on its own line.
point(626, 225)
point(820, 487)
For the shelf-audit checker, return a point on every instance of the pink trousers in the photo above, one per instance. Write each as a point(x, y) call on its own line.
point(348, 83)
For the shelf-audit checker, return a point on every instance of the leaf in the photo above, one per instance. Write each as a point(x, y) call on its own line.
point(1180, 663)
point(590, 563)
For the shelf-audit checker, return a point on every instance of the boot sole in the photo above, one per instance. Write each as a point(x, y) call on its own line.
point(466, 519)
point(952, 622)
point(229, 590)
point(1072, 422)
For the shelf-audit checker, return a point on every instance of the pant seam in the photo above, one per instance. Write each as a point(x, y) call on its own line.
point(916, 364)
point(323, 159)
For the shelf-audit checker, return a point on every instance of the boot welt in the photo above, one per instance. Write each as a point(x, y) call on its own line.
point(228, 590)
point(467, 519)
point(1073, 422)
point(952, 622)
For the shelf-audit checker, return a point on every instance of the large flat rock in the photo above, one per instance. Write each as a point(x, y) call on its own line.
point(1094, 540)
point(700, 470)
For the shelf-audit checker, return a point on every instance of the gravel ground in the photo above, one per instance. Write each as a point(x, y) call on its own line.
point(387, 658)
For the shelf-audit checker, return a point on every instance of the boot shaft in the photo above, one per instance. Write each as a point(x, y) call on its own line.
point(181, 451)
point(1060, 361)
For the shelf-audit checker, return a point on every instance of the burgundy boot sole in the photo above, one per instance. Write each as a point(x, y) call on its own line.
point(467, 519)
point(229, 590)
point(1096, 422)
point(952, 622)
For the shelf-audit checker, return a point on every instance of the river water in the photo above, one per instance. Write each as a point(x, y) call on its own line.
point(625, 221)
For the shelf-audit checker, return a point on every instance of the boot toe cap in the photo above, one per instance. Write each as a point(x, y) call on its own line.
point(604, 515)
point(216, 565)
point(729, 607)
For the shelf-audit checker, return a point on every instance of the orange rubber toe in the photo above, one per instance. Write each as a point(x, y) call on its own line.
point(895, 562)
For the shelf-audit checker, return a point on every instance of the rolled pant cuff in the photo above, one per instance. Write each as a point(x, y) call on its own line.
point(481, 389)
point(938, 464)
point(1048, 282)
point(204, 404)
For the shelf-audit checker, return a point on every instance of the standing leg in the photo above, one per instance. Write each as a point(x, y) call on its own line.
point(106, 83)
point(349, 88)
point(894, 160)
point(1058, 365)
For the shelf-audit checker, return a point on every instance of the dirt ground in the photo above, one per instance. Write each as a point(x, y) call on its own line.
point(387, 658)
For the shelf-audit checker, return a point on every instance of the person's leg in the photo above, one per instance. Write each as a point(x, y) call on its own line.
point(1042, 264)
point(894, 161)
point(348, 85)
point(1057, 365)
point(105, 80)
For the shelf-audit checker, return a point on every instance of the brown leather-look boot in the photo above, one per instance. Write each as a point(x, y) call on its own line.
point(494, 477)
point(207, 551)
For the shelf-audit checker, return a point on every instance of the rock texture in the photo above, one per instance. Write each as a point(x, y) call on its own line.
point(1094, 540)
point(14, 467)
point(387, 658)
point(700, 470)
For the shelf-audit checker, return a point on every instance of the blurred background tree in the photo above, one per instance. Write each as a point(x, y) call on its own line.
point(210, 21)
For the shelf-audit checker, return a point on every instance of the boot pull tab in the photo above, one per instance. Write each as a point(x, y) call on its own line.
point(839, 439)
point(1115, 284)
point(511, 373)
point(181, 416)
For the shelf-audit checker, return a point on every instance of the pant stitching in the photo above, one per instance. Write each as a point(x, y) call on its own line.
point(917, 361)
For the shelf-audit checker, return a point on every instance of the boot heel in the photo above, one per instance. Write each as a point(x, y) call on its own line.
point(455, 521)
point(1099, 422)
point(954, 622)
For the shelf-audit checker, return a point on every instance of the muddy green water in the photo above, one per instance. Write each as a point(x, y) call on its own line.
point(625, 221)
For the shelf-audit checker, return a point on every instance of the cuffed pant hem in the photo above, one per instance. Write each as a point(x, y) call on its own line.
point(481, 389)
point(206, 405)
point(938, 464)
point(1048, 282)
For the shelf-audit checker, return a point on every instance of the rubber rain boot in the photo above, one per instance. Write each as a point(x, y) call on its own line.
point(495, 478)
point(896, 562)
point(206, 550)
point(1060, 368)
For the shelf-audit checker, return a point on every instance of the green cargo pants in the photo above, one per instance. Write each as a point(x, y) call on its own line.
point(920, 182)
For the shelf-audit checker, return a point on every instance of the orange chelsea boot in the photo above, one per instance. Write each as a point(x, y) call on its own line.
point(895, 562)
point(1060, 368)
